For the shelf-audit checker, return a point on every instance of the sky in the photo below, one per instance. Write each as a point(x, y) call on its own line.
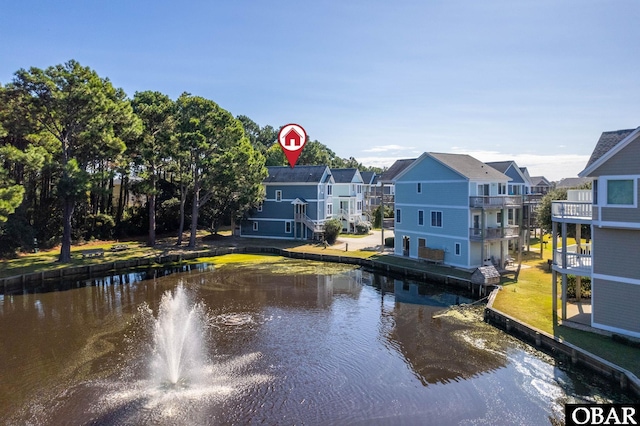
point(536, 82)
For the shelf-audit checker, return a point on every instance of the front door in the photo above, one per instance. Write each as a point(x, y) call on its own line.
point(405, 246)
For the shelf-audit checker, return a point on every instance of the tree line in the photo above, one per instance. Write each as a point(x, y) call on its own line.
point(75, 151)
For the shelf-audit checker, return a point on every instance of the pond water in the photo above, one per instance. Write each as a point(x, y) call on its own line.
point(285, 342)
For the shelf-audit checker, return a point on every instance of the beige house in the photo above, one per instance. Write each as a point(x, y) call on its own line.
point(612, 259)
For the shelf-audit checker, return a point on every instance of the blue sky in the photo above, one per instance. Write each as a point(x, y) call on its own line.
point(532, 81)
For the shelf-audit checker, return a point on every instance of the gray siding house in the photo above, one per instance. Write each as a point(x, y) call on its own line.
point(612, 259)
point(297, 203)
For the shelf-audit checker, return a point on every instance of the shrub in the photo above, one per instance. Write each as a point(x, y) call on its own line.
point(585, 287)
point(332, 229)
point(362, 228)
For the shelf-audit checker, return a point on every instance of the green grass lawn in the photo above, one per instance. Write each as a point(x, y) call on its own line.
point(529, 300)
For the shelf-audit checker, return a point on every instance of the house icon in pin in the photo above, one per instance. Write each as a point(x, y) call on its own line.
point(292, 138)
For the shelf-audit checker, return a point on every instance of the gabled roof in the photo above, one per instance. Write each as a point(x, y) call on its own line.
point(468, 166)
point(368, 177)
point(608, 145)
point(501, 166)
point(344, 175)
point(395, 169)
point(540, 181)
point(576, 182)
point(298, 174)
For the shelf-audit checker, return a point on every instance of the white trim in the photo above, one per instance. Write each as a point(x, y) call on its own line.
point(441, 218)
point(613, 151)
point(270, 219)
point(619, 225)
point(434, 206)
point(623, 280)
point(431, 234)
point(603, 191)
point(268, 237)
point(429, 182)
point(285, 200)
point(614, 329)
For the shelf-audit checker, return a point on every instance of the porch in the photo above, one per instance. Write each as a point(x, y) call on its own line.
point(495, 201)
point(573, 259)
point(494, 233)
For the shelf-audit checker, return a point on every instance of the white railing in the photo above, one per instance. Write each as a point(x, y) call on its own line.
point(571, 209)
point(310, 223)
point(579, 260)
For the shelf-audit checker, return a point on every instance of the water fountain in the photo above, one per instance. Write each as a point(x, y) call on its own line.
point(179, 340)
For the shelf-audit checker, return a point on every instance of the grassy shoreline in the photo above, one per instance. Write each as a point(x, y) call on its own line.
point(528, 300)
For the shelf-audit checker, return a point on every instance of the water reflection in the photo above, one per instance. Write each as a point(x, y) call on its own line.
point(288, 342)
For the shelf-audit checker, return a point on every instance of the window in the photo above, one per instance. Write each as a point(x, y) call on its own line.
point(436, 219)
point(329, 209)
point(457, 249)
point(359, 189)
point(620, 192)
point(483, 189)
point(422, 242)
point(420, 217)
point(359, 206)
point(278, 195)
point(329, 190)
point(595, 191)
point(502, 189)
point(287, 227)
point(398, 216)
point(255, 226)
point(419, 188)
point(499, 218)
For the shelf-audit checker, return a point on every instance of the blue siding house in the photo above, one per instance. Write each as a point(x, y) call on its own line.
point(452, 208)
point(297, 203)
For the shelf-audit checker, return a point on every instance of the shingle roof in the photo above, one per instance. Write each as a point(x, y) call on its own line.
point(539, 180)
point(607, 141)
point(500, 166)
point(574, 182)
point(343, 175)
point(395, 169)
point(286, 174)
point(469, 167)
point(367, 177)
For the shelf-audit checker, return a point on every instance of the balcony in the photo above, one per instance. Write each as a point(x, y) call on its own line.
point(571, 211)
point(578, 260)
point(497, 202)
point(479, 234)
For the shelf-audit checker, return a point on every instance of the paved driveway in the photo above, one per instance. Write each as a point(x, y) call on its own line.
point(373, 241)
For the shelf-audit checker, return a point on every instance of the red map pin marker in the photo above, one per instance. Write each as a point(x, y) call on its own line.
point(292, 138)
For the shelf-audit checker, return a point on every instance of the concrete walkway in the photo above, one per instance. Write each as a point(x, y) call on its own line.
point(371, 242)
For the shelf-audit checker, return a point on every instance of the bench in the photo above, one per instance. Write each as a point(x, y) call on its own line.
point(119, 247)
point(92, 253)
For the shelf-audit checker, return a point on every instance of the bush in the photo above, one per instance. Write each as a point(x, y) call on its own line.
point(332, 229)
point(585, 287)
point(362, 228)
